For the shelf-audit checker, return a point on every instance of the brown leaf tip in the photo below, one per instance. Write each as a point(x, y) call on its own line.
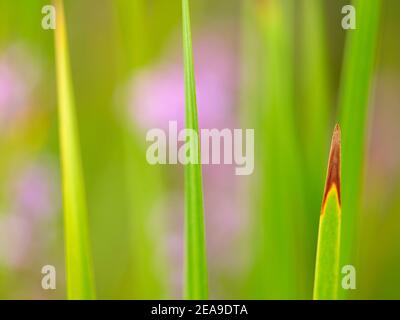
point(333, 173)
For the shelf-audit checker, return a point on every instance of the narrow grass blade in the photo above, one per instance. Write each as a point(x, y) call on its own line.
point(195, 252)
point(357, 73)
point(133, 18)
point(328, 251)
point(315, 85)
point(79, 274)
point(280, 234)
point(144, 279)
point(315, 106)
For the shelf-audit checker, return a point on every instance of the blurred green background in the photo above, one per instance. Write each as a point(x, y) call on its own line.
point(128, 77)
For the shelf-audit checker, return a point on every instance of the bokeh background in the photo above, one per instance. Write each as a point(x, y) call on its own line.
point(128, 77)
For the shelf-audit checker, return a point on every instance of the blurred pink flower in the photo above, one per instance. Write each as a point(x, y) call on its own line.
point(12, 93)
point(383, 153)
point(18, 76)
point(16, 238)
point(33, 200)
point(157, 94)
point(34, 193)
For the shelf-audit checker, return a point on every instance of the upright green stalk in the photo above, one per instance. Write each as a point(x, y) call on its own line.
point(145, 280)
point(328, 251)
point(279, 257)
point(79, 274)
point(195, 251)
point(315, 106)
point(315, 85)
point(357, 74)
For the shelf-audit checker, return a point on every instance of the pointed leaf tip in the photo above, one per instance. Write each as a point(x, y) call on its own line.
point(333, 173)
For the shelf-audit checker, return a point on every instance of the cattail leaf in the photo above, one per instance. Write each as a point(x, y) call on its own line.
point(357, 74)
point(79, 274)
point(328, 251)
point(195, 251)
point(280, 232)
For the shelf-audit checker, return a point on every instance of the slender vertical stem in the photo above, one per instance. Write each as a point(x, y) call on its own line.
point(357, 74)
point(79, 274)
point(195, 252)
point(315, 105)
point(278, 260)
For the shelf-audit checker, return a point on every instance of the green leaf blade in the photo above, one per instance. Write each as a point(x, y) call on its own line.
point(328, 250)
point(280, 229)
point(79, 274)
point(356, 82)
point(195, 249)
